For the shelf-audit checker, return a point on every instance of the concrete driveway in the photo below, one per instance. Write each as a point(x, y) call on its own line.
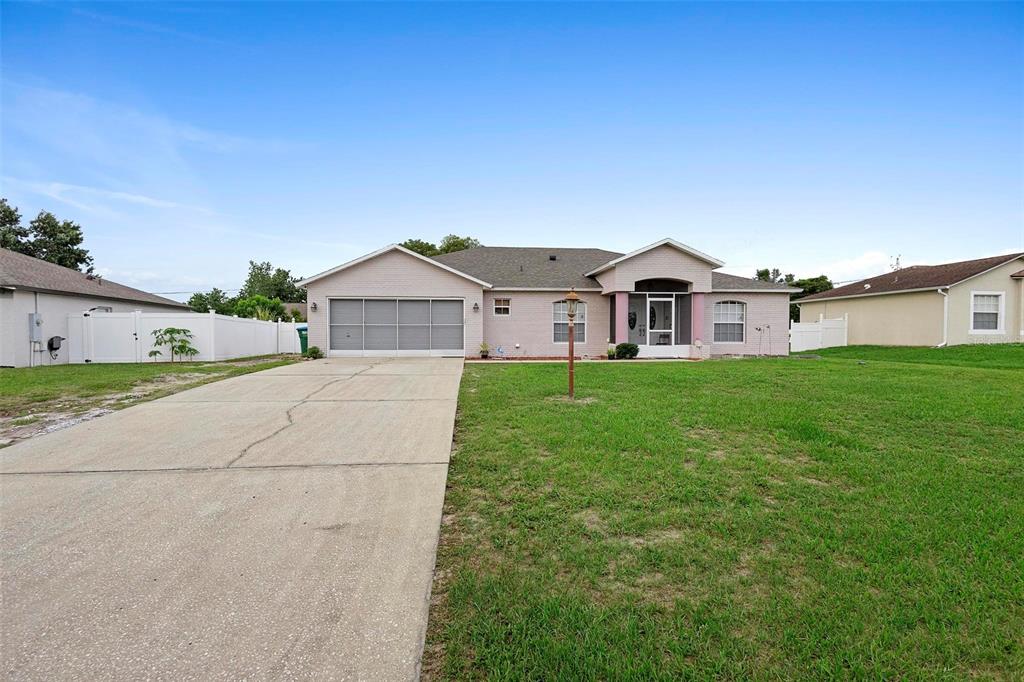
point(276, 525)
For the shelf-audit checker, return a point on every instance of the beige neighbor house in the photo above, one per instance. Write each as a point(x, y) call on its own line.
point(36, 298)
point(974, 301)
point(666, 298)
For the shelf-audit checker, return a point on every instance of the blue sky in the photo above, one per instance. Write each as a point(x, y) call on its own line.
point(190, 138)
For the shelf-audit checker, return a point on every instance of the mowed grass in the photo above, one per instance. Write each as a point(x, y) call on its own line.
point(24, 390)
point(992, 356)
point(752, 519)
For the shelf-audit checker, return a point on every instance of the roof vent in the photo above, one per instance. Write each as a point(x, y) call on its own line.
point(867, 286)
point(552, 257)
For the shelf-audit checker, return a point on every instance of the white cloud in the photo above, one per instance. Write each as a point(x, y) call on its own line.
point(85, 198)
point(867, 264)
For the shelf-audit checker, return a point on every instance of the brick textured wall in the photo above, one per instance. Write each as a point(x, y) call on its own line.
point(762, 309)
point(530, 324)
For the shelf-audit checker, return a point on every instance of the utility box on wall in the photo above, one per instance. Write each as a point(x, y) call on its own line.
point(35, 327)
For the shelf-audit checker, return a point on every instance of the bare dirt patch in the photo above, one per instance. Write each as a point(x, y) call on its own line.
point(572, 401)
point(57, 415)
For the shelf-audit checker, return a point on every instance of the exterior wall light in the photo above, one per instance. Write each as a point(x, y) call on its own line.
point(476, 307)
point(312, 306)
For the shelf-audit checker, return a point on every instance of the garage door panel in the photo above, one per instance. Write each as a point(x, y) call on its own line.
point(381, 337)
point(380, 312)
point(413, 337)
point(446, 337)
point(414, 312)
point(347, 337)
point(347, 311)
point(446, 312)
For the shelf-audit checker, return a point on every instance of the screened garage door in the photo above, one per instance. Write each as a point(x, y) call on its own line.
point(396, 326)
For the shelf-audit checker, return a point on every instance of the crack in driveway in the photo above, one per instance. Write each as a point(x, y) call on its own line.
point(288, 413)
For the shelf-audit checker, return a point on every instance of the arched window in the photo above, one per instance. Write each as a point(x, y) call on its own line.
point(560, 317)
point(730, 322)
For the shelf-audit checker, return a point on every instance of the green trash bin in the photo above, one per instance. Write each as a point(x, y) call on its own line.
point(304, 339)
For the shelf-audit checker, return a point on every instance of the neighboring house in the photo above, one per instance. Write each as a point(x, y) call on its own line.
point(666, 298)
point(29, 286)
point(974, 301)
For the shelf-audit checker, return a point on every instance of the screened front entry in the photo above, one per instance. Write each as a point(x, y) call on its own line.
point(396, 326)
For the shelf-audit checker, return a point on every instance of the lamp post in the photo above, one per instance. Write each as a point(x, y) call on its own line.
point(572, 299)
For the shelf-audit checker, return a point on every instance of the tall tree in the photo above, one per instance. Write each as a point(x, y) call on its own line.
point(215, 300)
point(421, 247)
point(773, 275)
point(810, 285)
point(58, 241)
point(266, 280)
point(46, 238)
point(454, 242)
point(450, 243)
point(13, 235)
point(260, 307)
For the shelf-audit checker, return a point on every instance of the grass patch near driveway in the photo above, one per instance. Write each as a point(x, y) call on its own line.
point(36, 399)
point(754, 519)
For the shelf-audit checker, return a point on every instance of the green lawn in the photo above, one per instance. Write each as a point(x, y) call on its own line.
point(25, 390)
point(998, 356)
point(755, 519)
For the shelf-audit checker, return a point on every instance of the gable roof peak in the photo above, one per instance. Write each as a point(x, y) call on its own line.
point(667, 241)
point(381, 252)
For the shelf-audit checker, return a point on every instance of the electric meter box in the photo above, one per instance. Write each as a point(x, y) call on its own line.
point(35, 327)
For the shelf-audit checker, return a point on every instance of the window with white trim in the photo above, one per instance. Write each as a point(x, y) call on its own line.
point(503, 306)
point(730, 321)
point(987, 312)
point(560, 316)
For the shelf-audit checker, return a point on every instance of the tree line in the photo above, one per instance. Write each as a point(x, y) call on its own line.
point(809, 285)
point(263, 295)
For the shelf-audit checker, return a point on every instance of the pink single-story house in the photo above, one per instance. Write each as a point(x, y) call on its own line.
point(666, 297)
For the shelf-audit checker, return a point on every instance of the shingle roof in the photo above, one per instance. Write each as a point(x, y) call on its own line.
point(25, 272)
point(531, 267)
point(720, 281)
point(1018, 275)
point(916, 277)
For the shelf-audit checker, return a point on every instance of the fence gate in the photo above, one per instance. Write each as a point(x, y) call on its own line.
point(112, 338)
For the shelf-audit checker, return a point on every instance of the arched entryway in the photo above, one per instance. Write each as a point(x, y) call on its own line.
point(659, 319)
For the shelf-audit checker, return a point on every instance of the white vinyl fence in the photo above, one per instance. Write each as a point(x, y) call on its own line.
point(128, 337)
point(821, 334)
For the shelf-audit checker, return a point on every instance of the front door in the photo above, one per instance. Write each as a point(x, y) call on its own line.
point(660, 314)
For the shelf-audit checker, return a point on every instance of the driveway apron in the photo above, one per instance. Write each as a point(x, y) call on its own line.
point(278, 525)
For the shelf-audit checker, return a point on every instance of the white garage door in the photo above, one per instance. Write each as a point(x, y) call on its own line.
point(396, 326)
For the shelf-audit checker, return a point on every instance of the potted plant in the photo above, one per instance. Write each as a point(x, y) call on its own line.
point(611, 352)
point(485, 350)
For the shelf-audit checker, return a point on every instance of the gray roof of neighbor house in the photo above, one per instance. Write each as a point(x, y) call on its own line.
point(19, 271)
point(560, 268)
point(916, 277)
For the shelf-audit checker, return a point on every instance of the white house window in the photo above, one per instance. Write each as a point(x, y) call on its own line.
point(503, 306)
point(987, 312)
point(730, 321)
point(560, 313)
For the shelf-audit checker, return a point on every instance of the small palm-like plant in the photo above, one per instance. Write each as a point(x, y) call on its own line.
point(178, 340)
